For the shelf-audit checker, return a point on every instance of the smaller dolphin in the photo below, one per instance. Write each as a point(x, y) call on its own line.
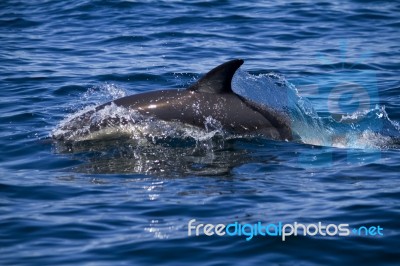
point(210, 97)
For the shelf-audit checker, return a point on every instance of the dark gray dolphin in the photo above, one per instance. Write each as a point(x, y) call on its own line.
point(210, 97)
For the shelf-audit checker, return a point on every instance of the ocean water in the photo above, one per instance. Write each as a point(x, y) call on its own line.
point(130, 201)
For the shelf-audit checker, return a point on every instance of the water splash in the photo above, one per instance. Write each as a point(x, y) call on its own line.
point(366, 129)
point(98, 94)
point(275, 91)
point(369, 129)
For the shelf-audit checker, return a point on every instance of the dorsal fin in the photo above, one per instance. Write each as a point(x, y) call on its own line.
point(219, 79)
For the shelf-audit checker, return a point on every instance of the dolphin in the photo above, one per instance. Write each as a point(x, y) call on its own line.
point(210, 97)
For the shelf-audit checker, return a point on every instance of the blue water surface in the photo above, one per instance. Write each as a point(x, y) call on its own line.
point(115, 203)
